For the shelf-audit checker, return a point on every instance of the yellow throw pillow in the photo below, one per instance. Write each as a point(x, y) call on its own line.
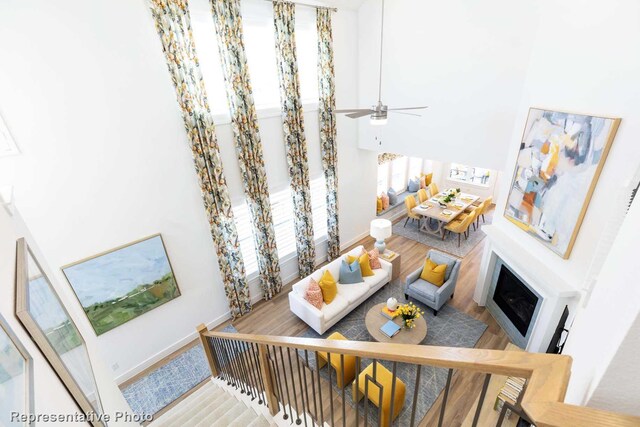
point(328, 285)
point(364, 261)
point(433, 273)
point(378, 205)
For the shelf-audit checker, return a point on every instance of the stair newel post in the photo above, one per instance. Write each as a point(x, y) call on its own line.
point(272, 402)
point(211, 357)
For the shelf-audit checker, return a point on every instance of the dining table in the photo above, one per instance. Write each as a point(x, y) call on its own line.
point(434, 216)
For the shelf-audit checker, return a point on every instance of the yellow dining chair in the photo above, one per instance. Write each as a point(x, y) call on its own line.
point(460, 226)
point(486, 205)
point(410, 203)
point(422, 195)
point(433, 188)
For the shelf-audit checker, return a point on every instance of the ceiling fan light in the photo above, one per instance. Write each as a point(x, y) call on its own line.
point(378, 121)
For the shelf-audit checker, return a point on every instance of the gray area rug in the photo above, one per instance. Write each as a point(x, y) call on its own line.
point(450, 328)
point(450, 243)
point(164, 385)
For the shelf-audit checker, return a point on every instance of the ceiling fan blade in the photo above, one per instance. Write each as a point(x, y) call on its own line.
point(406, 114)
point(362, 113)
point(407, 108)
point(352, 110)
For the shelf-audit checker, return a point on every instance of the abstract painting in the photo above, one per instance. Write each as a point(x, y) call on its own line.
point(16, 378)
point(560, 159)
point(123, 283)
point(41, 312)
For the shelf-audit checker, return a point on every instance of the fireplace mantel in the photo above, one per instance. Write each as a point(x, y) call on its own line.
point(555, 292)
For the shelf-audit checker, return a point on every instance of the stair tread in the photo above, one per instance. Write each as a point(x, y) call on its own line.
point(198, 412)
point(244, 419)
point(198, 398)
point(204, 418)
point(231, 414)
point(259, 422)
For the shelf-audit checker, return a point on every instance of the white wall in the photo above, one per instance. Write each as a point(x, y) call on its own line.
point(441, 177)
point(50, 395)
point(466, 60)
point(105, 158)
point(586, 58)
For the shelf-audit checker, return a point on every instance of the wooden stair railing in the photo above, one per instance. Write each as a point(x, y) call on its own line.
point(262, 367)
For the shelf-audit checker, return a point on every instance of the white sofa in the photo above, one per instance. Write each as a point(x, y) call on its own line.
point(349, 296)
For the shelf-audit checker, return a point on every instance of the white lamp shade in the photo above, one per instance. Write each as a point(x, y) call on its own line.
point(380, 229)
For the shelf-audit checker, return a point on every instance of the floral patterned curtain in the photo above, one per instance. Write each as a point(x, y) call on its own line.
point(228, 23)
point(173, 24)
point(293, 126)
point(327, 118)
point(387, 157)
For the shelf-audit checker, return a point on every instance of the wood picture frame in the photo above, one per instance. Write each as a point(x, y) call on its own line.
point(41, 312)
point(135, 278)
point(7, 335)
point(560, 159)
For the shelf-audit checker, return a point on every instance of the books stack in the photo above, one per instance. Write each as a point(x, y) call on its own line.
point(509, 392)
point(389, 314)
point(388, 255)
point(390, 329)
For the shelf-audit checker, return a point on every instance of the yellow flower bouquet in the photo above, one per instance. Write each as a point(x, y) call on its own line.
point(410, 312)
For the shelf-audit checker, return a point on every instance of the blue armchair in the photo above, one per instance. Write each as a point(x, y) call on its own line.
point(427, 293)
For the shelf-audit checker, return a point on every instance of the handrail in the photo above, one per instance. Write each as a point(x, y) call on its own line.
point(547, 374)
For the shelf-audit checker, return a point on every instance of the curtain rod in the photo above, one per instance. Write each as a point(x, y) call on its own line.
point(335, 9)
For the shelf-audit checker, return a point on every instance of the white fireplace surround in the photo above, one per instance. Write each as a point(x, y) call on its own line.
point(554, 291)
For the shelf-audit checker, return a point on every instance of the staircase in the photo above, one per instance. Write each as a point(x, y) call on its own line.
point(260, 380)
point(215, 404)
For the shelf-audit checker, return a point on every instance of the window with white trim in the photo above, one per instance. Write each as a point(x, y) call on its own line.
point(469, 174)
point(397, 173)
point(259, 42)
point(283, 214)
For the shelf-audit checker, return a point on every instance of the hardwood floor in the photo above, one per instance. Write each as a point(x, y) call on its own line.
point(274, 318)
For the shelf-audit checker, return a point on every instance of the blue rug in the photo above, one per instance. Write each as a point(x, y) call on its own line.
point(159, 388)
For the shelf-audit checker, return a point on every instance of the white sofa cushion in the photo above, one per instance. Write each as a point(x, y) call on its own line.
point(379, 274)
point(337, 306)
point(353, 292)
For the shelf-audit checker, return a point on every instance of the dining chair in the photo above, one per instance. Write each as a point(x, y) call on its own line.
point(422, 195)
point(433, 188)
point(460, 226)
point(485, 208)
point(410, 203)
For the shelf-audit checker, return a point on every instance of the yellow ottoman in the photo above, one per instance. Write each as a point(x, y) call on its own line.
point(349, 362)
point(384, 377)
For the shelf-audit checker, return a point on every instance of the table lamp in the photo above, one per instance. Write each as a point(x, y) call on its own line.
point(380, 230)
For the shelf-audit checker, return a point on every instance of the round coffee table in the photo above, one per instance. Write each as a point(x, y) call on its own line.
point(374, 320)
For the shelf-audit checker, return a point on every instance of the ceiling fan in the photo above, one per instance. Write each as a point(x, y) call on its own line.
point(379, 111)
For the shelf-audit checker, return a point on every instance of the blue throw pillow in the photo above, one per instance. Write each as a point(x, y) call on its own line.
point(414, 185)
point(350, 273)
point(393, 197)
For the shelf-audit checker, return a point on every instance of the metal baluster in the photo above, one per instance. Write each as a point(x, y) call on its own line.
point(344, 409)
point(380, 394)
point(286, 383)
point(243, 370)
point(313, 386)
point(357, 388)
point(226, 361)
point(249, 372)
point(375, 381)
point(483, 393)
point(255, 371)
point(320, 388)
point(415, 395)
point(232, 373)
point(503, 412)
point(303, 387)
point(293, 386)
point(276, 372)
point(256, 361)
point(234, 362)
point(367, 378)
point(330, 388)
point(393, 391)
point(445, 397)
point(214, 344)
point(209, 342)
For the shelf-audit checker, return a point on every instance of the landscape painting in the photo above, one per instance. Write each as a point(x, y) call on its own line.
point(560, 159)
point(124, 283)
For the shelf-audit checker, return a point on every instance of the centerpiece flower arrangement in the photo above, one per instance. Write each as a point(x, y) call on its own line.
point(410, 312)
point(449, 196)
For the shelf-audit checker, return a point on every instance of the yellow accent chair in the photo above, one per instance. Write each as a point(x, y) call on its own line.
point(485, 208)
point(422, 195)
point(384, 377)
point(433, 188)
point(349, 373)
point(460, 226)
point(410, 203)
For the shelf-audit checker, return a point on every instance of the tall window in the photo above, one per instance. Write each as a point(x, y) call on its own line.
point(397, 173)
point(469, 174)
point(259, 41)
point(283, 214)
